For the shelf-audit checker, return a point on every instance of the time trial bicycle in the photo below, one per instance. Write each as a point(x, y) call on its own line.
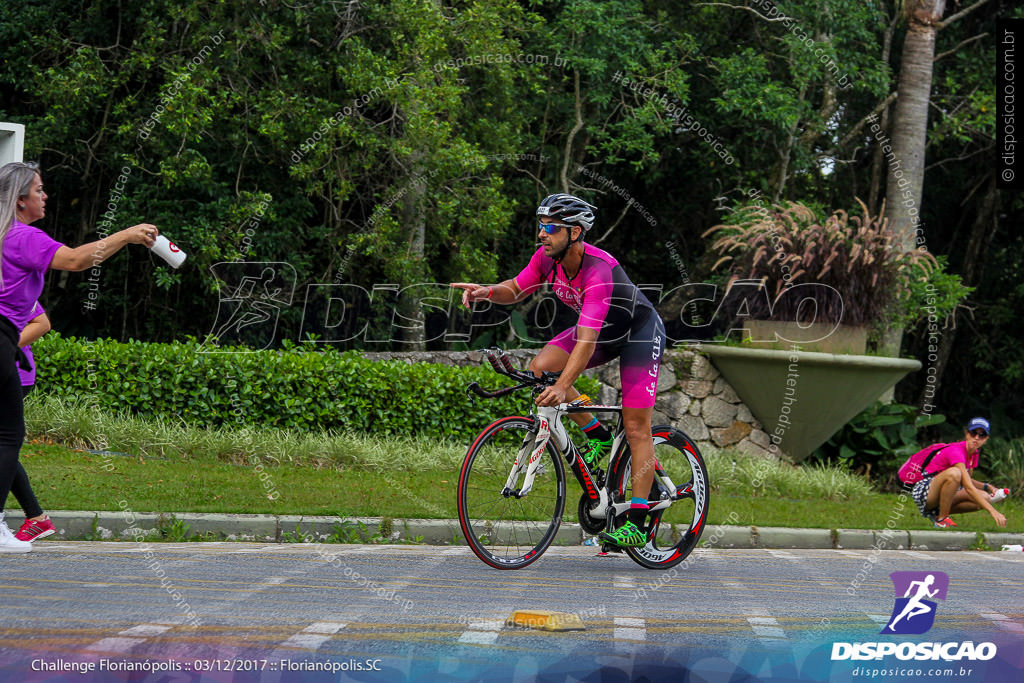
point(512, 486)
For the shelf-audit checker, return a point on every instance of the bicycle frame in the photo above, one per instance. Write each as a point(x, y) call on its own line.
point(550, 429)
point(507, 532)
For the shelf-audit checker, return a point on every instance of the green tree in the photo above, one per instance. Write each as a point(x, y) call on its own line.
point(383, 142)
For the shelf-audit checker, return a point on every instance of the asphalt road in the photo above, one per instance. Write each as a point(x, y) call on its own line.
point(259, 612)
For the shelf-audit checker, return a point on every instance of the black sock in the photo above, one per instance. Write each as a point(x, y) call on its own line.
point(597, 431)
point(638, 514)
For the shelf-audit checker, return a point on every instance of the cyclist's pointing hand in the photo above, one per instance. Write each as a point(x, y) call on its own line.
point(472, 292)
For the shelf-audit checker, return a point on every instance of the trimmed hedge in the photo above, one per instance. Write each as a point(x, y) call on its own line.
point(293, 388)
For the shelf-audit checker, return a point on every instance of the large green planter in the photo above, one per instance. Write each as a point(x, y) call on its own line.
point(801, 397)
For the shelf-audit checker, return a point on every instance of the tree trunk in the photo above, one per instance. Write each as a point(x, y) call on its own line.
point(982, 232)
point(874, 192)
point(910, 119)
point(877, 172)
point(414, 217)
point(781, 173)
point(576, 128)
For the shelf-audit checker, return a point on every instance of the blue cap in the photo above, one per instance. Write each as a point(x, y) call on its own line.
point(978, 423)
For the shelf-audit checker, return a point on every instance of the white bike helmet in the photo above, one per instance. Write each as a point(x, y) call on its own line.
point(569, 209)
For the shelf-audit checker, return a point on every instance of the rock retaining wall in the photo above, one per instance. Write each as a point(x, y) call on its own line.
point(692, 395)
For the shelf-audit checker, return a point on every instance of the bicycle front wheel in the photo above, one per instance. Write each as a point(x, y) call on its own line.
point(505, 529)
point(681, 478)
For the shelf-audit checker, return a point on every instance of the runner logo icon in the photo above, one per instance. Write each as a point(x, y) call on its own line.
point(914, 608)
point(252, 296)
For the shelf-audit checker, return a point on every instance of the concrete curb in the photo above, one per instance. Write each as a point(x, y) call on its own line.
point(784, 537)
point(73, 525)
point(937, 540)
point(855, 539)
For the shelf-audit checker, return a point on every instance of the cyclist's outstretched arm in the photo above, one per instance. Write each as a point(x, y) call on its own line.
point(506, 292)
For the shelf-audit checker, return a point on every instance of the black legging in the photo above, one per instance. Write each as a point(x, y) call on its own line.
point(12, 414)
point(21, 489)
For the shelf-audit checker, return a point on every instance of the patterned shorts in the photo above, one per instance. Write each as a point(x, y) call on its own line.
point(920, 495)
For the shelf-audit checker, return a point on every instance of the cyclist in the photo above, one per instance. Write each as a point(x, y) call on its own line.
point(615, 321)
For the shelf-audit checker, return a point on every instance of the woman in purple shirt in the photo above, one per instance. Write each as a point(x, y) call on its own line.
point(26, 253)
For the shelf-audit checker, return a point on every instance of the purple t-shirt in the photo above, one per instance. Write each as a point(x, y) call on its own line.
point(28, 377)
point(27, 253)
point(951, 455)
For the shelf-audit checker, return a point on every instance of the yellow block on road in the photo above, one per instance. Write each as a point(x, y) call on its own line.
point(545, 620)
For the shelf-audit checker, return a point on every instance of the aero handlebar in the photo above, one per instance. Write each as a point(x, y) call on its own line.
point(503, 366)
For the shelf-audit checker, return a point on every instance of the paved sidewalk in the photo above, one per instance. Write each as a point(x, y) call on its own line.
point(128, 526)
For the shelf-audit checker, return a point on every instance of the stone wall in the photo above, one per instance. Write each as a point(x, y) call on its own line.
point(692, 395)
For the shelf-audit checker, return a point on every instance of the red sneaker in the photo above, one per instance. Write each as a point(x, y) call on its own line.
point(32, 530)
point(945, 523)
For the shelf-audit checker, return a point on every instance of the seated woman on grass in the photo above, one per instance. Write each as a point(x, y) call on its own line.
point(947, 487)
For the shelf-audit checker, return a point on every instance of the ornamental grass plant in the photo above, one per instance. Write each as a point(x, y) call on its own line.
point(858, 257)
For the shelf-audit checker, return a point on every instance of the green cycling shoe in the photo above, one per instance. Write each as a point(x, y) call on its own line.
point(626, 536)
point(595, 450)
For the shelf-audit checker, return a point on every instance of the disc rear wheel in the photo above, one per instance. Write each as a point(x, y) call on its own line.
point(681, 478)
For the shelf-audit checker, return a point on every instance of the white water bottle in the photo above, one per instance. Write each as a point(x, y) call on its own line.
point(999, 494)
point(1017, 548)
point(168, 251)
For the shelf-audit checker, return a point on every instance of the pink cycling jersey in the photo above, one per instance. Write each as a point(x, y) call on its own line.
point(601, 292)
point(607, 300)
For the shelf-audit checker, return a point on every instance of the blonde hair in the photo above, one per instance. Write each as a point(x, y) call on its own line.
point(15, 182)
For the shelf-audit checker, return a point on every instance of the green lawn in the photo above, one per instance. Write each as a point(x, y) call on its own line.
point(67, 479)
point(76, 480)
point(873, 512)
